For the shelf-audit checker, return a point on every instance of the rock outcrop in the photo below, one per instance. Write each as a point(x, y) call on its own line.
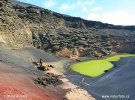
point(24, 25)
point(13, 32)
point(48, 79)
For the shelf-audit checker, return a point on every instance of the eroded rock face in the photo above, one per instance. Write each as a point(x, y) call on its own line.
point(13, 32)
point(73, 53)
point(54, 32)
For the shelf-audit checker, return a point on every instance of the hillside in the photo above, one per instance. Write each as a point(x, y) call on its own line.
point(25, 25)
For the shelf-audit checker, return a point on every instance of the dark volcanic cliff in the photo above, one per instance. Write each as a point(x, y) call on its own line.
point(24, 25)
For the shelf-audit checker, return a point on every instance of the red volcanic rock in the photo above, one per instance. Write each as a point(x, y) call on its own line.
point(16, 85)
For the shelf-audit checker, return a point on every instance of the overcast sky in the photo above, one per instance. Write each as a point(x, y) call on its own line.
point(118, 12)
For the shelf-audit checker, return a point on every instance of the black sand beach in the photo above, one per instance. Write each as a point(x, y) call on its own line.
point(117, 84)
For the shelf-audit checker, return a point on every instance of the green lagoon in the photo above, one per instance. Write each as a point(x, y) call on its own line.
point(94, 68)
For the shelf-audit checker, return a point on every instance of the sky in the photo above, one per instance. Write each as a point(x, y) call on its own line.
point(117, 12)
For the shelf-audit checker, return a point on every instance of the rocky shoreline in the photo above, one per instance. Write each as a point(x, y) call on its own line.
point(52, 80)
point(57, 78)
point(113, 83)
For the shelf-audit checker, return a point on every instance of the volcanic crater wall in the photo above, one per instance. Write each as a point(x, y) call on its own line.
point(13, 32)
point(25, 25)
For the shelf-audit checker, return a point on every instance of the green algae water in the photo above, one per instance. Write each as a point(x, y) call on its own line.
point(96, 68)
